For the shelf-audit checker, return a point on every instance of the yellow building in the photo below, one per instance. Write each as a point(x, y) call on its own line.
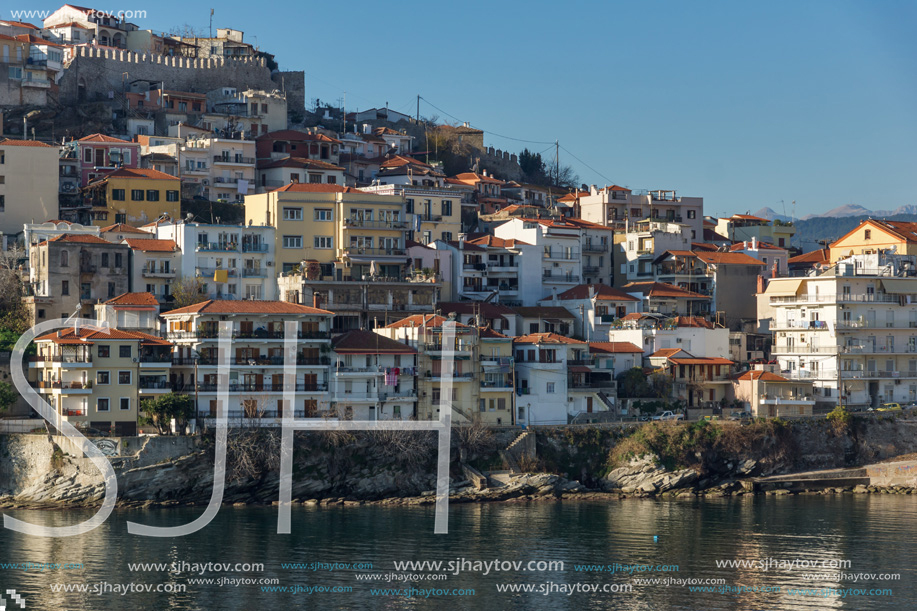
point(98, 378)
point(133, 196)
point(873, 235)
point(340, 232)
point(28, 185)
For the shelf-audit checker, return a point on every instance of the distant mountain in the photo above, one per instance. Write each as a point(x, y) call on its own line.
point(812, 229)
point(840, 212)
point(771, 214)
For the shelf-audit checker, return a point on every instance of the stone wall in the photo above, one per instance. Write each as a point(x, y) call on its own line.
point(293, 83)
point(502, 164)
point(100, 71)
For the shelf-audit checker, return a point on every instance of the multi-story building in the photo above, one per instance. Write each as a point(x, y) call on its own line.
point(509, 264)
point(654, 333)
point(596, 307)
point(33, 233)
point(131, 312)
point(302, 145)
point(496, 316)
point(279, 172)
point(133, 196)
point(98, 378)
point(544, 319)
point(556, 380)
point(153, 265)
point(668, 299)
point(700, 382)
point(432, 211)
point(256, 361)
point(560, 243)
point(745, 227)
point(233, 261)
point(217, 169)
point(769, 395)
point(70, 273)
point(425, 332)
point(28, 186)
point(852, 328)
point(107, 30)
point(346, 232)
point(873, 236)
point(774, 258)
point(100, 154)
point(612, 205)
point(256, 112)
point(373, 377)
point(644, 241)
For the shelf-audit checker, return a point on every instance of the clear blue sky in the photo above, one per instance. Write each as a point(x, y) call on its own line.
point(745, 104)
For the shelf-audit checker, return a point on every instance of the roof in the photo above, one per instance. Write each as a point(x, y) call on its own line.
point(305, 187)
point(489, 333)
point(614, 348)
point(86, 334)
point(136, 173)
point(367, 342)
point(133, 299)
point(474, 178)
point(665, 353)
point(816, 256)
point(601, 292)
point(102, 138)
point(661, 289)
point(701, 361)
point(71, 24)
point(20, 24)
point(35, 143)
point(82, 238)
point(401, 160)
point(727, 258)
point(122, 228)
point(495, 242)
point(703, 246)
point(423, 320)
point(487, 310)
point(299, 162)
point(693, 321)
point(543, 312)
point(245, 306)
point(292, 134)
point(748, 217)
point(758, 245)
point(545, 338)
point(36, 40)
point(151, 245)
point(764, 376)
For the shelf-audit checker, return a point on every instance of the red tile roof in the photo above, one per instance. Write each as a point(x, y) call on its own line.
point(602, 292)
point(748, 217)
point(245, 306)
point(151, 245)
point(20, 24)
point(661, 289)
point(69, 24)
point(489, 333)
point(495, 242)
point(82, 238)
point(701, 361)
point(727, 258)
point(35, 143)
point(545, 338)
point(136, 173)
point(299, 162)
point(303, 187)
point(758, 245)
point(102, 138)
point(296, 136)
point(473, 178)
point(133, 299)
point(665, 353)
point(423, 320)
point(693, 321)
point(816, 256)
point(85, 334)
point(764, 376)
point(367, 342)
point(402, 160)
point(122, 228)
point(703, 246)
point(614, 348)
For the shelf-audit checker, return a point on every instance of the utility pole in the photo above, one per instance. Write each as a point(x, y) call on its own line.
point(344, 115)
point(556, 163)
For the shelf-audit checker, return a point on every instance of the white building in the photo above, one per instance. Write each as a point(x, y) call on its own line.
point(644, 241)
point(153, 265)
point(853, 327)
point(223, 168)
point(596, 307)
point(560, 244)
point(689, 333)
point(612, 205)
point(234, 262)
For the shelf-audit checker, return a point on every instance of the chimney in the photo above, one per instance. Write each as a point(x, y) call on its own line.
point(760, 284)
point(316, 301)
point(754, 242)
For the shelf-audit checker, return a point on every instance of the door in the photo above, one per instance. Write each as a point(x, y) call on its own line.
point(588, 405)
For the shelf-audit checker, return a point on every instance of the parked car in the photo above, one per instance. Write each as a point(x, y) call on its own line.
point(743, 415)
point(889, 407)
point(644, 417)
point(669, 415)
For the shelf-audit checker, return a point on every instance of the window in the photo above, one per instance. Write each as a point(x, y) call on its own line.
point(124, 377)
point(103, 404)
point(117, 259)
point(65, 287)
point(125, 403)
point(103, 377)
point(87, 155)
point(117, 195)
point(2, 203)
point(447, 236)
point(323, 214)
point(111, 290)
point(292, 214)
point(104, 352)
point(292, 241)
point(315, 179)
point(331, 180)
point(322, 241)
point(136, 195)
point(152, 195)
point(172, 196)
point(447, 207)
point(125, 352)
point(867, 234)
point(64, 258)
point(691, 213)
point(550, 387)
point(409, 206)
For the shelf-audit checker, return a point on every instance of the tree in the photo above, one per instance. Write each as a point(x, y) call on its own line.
point(563, 176)
point(533, 167)
point(188, 291)
point(8, 396)
point(161, 410)
point(187, 31)
point(14, 315)
point(633, 384)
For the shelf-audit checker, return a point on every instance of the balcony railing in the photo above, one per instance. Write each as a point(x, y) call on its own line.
point(254, 361)
point(565, 255)
point(162, 273)
point(69, 358)
point(156, 358)
point(591, 269)
point(266, 387)
point(358, 250)
point(254, 272)
point(234, 159)
point(595, 248)
point(842, 298)
point(154, 385)
point(259, 334)
point(254, 247)
point(225, 180)
point(217, 246)
point(375, 224)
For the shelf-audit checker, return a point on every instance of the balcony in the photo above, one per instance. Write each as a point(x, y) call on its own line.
point(458, 377)
point(216, 247)
point(591, 269)
point(549, 279)
point(164, 359)
point(162, 273)
point(842, 298)
point(210, 271)
point(202, 171)
point(237, 159)
point(255, 247)
point(357, 250)
point(254, 272)
point(67, 388)
point(561, 255)
point(223, 180)
point(480, 267)
point(257, 335)
point(76, 359)
point(267, 387)
point(595, 248)
point(365, 224)
point(156, 384)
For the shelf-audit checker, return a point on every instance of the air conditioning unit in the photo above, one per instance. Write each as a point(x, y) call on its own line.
point(678, 340)
point(137, 360)
point(205, 181)
point(270, 264)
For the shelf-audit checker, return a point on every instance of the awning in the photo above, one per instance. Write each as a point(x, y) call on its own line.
point(386, 259)
point(900, 285)
point(579, 369)
point(783, 288)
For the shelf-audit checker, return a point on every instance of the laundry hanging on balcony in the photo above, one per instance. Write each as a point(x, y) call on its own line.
point(221, 275)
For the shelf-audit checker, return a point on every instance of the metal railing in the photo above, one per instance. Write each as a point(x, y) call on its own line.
point(234, 159)
point(254, 247)
point(266, 387)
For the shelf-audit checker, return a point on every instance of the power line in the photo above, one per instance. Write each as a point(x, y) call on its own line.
point(610, 181)
point(481, 128)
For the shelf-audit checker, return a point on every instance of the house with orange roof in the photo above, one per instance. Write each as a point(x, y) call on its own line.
point(133, 196)
point(766, 394)
point(70, 273)
point(33, 233)
point(874, 236)
point(557, 382)
point(28, 186)
point(399, 142)
point(775, 259)
point(561, 244)
point(279, 172)
point(668, 299)
point(299, 144)
point(701, 382)
point(98, 378)
point(100, 154)
point(256, 359)
point(429, 334)
point(596, 307)
point(655, 333)
point(154, 265)
point(747, 227)
point(131, 312)
point(104, 28)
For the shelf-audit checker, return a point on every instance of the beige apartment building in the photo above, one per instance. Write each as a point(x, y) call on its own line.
point(28, 186)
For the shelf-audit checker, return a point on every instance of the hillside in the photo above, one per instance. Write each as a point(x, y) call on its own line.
point(810, 230)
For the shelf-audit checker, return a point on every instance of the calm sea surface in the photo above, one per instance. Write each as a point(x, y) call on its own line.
point(677, 543)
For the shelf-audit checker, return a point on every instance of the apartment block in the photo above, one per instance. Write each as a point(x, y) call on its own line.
point(28, 186)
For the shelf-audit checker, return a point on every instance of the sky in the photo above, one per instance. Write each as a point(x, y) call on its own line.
point(744, 104)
